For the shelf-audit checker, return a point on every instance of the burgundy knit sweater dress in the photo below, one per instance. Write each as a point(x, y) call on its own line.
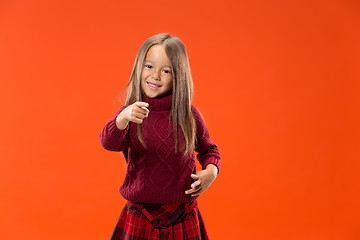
point(156, 174)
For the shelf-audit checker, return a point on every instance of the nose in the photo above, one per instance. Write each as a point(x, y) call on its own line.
point(156, 75)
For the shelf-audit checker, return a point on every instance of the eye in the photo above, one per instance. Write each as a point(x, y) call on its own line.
point(148, 66)
point(166, 71)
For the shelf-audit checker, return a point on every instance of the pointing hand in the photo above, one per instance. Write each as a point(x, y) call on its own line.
point(135, 112)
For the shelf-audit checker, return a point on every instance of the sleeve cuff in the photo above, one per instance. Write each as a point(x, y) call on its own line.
point(215, 161)
point(115, 130)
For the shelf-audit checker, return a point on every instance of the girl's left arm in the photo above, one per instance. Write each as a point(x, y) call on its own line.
point(208, 152)
point(208, 157)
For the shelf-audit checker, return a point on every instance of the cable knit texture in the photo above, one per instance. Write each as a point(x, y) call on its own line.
point(156, 174)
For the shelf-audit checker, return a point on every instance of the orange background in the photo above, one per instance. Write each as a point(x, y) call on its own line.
point(277, 83)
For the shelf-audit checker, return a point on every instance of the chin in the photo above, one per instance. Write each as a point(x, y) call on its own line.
point(151, 95)
point(157, 96)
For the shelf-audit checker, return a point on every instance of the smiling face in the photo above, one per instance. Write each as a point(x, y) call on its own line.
point(156, 76)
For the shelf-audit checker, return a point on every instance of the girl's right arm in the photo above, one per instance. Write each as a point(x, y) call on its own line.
point(113, 135)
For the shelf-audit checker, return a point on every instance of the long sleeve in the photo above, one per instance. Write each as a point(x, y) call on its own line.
point(111, 137)
point(208, 152)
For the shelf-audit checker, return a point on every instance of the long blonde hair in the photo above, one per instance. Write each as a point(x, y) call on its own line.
point(182, 87)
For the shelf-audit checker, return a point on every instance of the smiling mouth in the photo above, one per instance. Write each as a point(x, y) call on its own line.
point(153, 86)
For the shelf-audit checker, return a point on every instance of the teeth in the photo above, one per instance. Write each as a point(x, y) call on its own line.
point(153, 85)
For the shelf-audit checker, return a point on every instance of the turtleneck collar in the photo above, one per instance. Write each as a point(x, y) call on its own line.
point(159, 103)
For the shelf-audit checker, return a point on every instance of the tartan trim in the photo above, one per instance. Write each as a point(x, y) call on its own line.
point(160, 222)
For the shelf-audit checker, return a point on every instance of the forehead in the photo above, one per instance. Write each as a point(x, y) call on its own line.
point(157, 55)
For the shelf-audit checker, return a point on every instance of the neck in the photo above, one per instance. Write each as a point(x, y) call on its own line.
point(162, 103)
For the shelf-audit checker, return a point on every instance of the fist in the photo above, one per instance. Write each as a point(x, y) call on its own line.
point(135, 112)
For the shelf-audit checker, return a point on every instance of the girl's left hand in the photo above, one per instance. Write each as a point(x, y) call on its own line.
point(203, 180)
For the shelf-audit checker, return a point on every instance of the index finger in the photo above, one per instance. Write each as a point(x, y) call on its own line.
point(141, 104)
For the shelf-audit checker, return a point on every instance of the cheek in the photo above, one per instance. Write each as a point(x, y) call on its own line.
point(169, 84)
point(142, 75)
point(143, 78)
point(170, 88)
point(142, 83)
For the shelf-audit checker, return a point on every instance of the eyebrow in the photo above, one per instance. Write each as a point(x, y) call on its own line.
point(153, 62)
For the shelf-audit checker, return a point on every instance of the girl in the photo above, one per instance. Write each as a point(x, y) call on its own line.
point(158, 131)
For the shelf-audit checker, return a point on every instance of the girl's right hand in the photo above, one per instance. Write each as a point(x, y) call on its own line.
point(135, 112)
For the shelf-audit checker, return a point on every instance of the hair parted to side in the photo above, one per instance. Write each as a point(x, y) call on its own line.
point(182, 87)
